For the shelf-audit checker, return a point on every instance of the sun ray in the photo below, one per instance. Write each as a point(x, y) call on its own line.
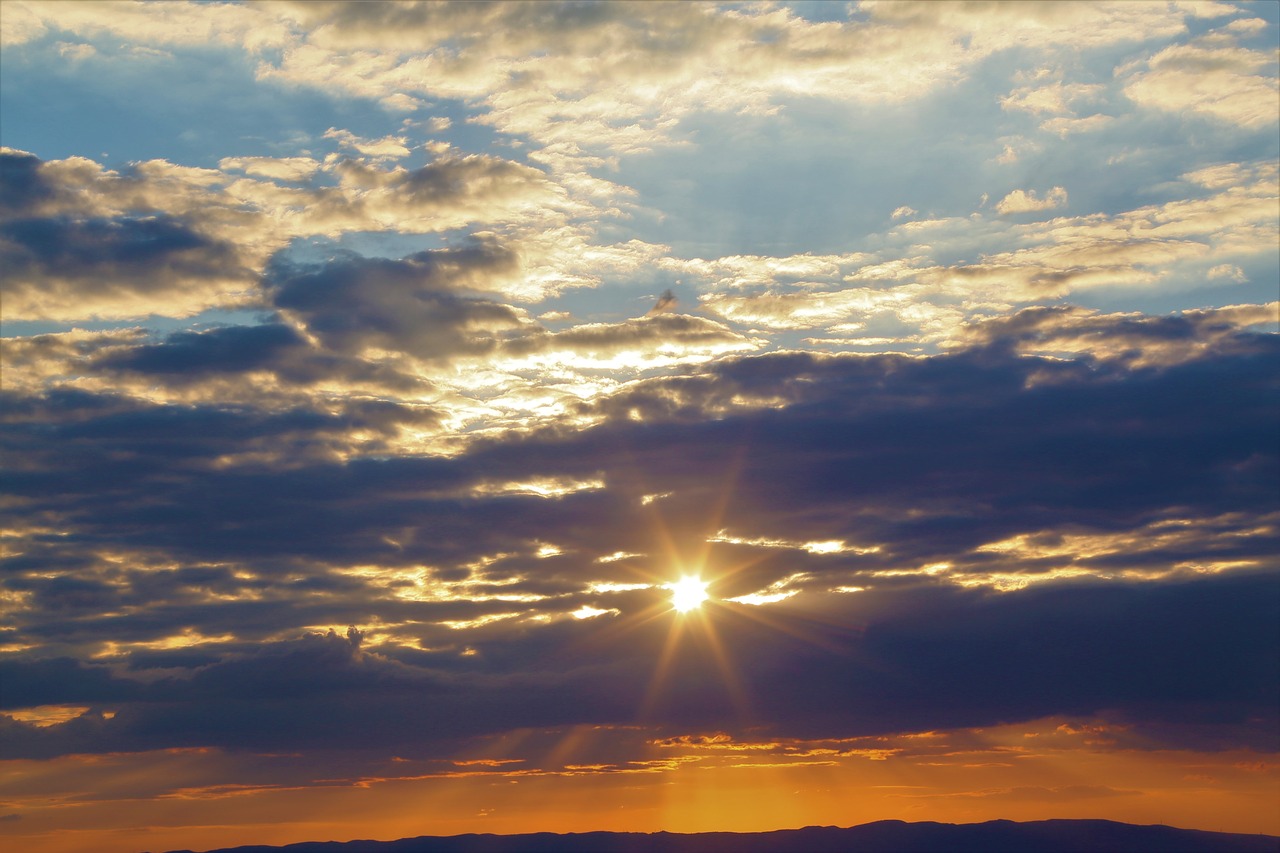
point(728, 673)
point(660, 671)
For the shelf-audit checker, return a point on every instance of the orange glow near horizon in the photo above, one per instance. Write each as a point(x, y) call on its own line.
point(695, 783)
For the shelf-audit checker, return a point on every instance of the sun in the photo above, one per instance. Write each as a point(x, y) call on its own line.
point(688, 593)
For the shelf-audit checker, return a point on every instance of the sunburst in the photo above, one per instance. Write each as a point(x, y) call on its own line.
point(688, 593)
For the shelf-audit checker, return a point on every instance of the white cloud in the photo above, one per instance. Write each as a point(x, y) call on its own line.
point(1025, 201)
point(737, 272)
point(1227, 271)
point(197, 24)
point(19, 24)
point(386, 148)
point(614, 75)
point(276, 168)
point(76, 52)
point(1224, 83)
point(1052, 99)
point(1065, 125)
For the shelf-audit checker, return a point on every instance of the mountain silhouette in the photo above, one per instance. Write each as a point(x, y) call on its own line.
point(886, 836)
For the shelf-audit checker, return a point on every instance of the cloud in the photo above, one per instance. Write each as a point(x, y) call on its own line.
point(931, 669)
point(804, 310)
point(199, 546)
point(76, 52)
point(747, 271)
point(683, 433)
point(386, 148)
point(1228, 271)
point(1054, 99)
point(1063, 125)
point(275, 168)
point(650, 64)
point(82, 241)
point(1136, 340)
point(416, 305)
point(403, 498)
point(1025, 201)
point(657, 339)
point(20, 25)
point(1057, 104)
point(899, 295)
point(185, 24)
point(113, 267)
point(1217, 82)
point(233, 349)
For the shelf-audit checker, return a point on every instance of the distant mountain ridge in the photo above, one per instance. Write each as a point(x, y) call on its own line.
point(885, 836)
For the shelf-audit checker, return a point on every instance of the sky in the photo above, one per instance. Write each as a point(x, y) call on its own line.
point(377, 378)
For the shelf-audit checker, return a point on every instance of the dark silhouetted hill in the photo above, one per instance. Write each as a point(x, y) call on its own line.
point(886, 836)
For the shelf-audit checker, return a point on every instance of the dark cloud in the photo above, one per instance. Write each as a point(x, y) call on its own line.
point(1188, 664)
point(98, 259)
point(76, 443)
point(58, 247)
point(417, 305)
point(77, 241)
point(248, 526)
point(232, 349)
point(1132, 339)
point(227, 353)
point(21, 187)
point(929, 458)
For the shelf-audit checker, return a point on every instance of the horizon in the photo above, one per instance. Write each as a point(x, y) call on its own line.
point(506, 417)
point(995, 836)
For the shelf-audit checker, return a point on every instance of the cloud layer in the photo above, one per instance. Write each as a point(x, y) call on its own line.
point(371, 372)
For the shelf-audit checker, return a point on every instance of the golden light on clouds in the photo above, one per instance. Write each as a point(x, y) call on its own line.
point(477, 417)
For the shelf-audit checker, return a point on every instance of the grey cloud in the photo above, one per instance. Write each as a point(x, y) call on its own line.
point(874, 437)
point(82, 241)
point(76, 241)
point(416, 305)
point(60, 260)
point(230, 352)
point(1188, 662)
point(101, 443)
point(929, 459)
point(21, 187)
point(1131, 339)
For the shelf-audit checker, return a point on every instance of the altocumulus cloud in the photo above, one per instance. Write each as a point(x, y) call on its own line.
point(1007, 449)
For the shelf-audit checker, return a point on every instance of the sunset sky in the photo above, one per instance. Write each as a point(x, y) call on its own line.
point(376, 375)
